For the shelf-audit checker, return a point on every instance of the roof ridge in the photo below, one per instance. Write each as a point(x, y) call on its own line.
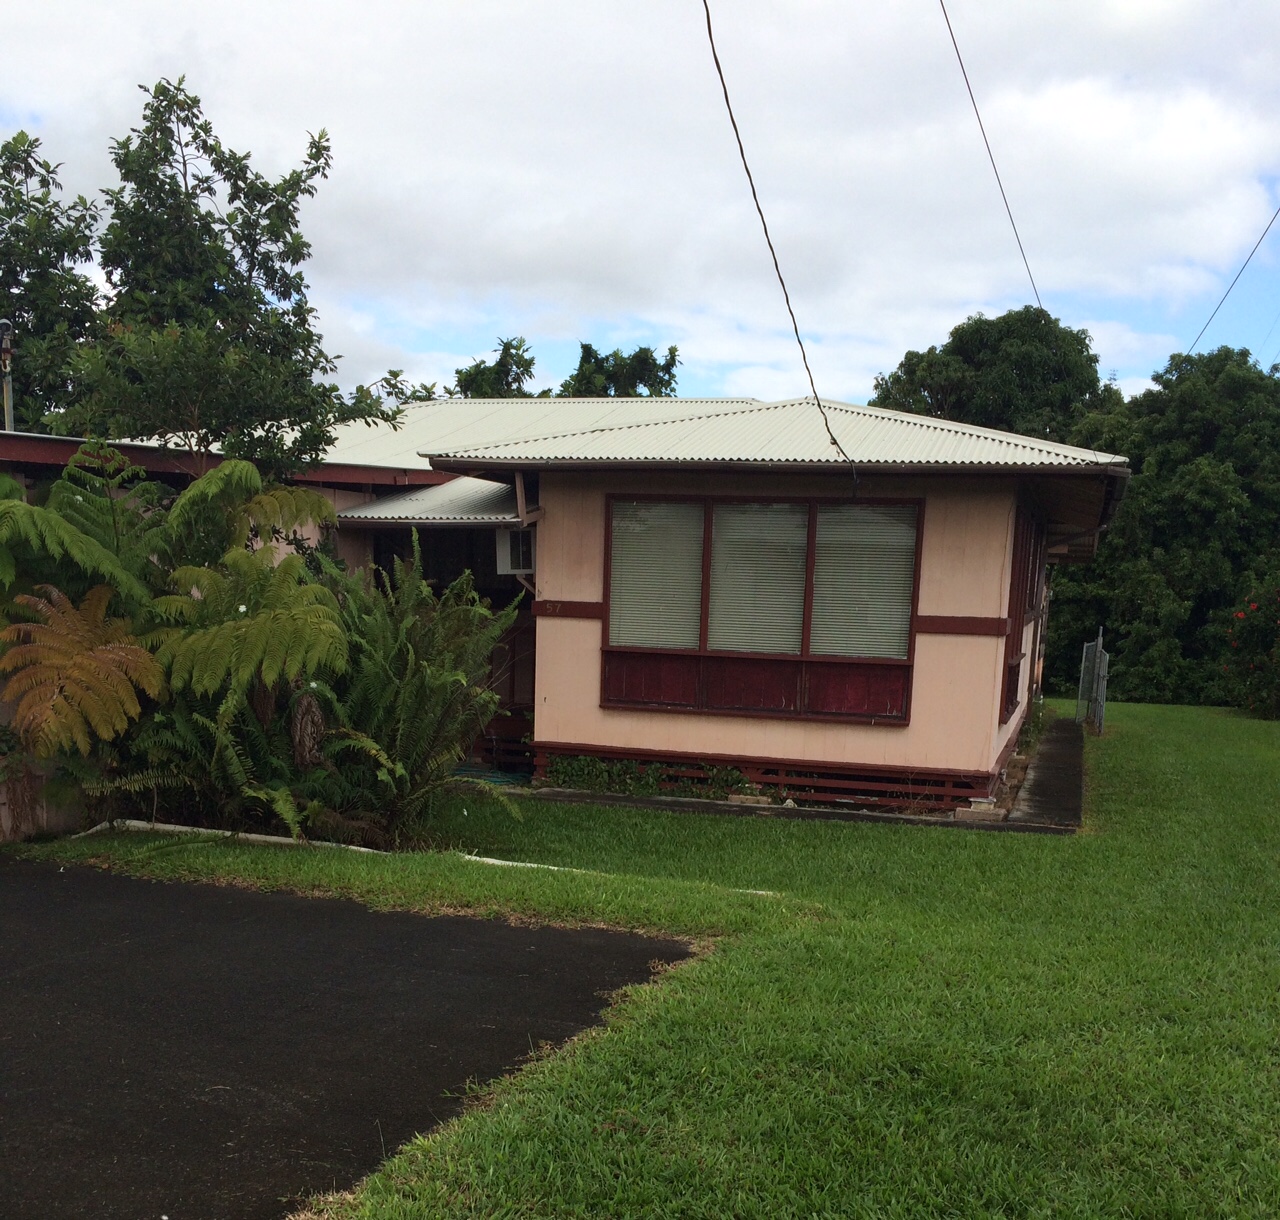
point(756, 405)
point(955, 425)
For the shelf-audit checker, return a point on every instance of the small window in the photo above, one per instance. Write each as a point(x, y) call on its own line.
point(515, 552)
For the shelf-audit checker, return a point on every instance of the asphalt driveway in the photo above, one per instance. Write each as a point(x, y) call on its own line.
point(208, 1053)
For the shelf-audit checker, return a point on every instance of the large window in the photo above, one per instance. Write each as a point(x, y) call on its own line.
point(757, 577)
point(864, 574)
point(798, 608)
point(656, 574)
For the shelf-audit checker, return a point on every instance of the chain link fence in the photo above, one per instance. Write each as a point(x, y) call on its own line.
point(1091, 699)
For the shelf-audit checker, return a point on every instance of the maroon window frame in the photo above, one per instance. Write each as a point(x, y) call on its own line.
point(800, 685)
point(1025, 593)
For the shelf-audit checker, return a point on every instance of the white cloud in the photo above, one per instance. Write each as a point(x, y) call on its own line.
point(567, 171)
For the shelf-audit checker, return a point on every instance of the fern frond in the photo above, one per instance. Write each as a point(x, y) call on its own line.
point(281, 802)
point(52, 536)
point(74, 672)
point(229, 482)
point(280, 510)
point(138, 781)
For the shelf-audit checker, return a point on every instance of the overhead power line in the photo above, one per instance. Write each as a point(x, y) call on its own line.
point(1231, 285)
point(764, 224)
point(990, 155)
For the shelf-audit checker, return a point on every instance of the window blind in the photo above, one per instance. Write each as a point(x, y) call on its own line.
point(655, 578)
point(863, 575)
point(757, 577)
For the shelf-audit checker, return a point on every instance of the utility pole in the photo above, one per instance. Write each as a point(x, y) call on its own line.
point(6, 368)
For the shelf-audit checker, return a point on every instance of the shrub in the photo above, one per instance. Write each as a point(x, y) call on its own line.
point(416, 694)
point(1253, 636)
point(1253, 670)
point(627, 777)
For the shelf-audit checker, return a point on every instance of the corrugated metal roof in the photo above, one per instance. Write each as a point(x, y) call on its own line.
point(461, 501)
point(781, 434)
point(463, 423)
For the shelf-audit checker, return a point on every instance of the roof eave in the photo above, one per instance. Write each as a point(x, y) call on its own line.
point(476, 465)
point(424, 522)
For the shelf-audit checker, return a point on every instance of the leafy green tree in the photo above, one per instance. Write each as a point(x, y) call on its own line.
point(505, 377)
point(209, 339)
point(1021, 372)
point(615, 375)
point(44, 240)
point(1198, 528)
point(1199, 525)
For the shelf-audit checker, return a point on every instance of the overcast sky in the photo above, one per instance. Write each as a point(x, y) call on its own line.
point(565, 170)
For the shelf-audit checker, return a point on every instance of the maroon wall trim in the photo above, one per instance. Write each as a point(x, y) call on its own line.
point(1024, 583)
point(961, 624)
point(756, 685)
point(554, 609)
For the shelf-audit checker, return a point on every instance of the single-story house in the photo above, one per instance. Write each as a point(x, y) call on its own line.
point(838, 601)
point(847, 602)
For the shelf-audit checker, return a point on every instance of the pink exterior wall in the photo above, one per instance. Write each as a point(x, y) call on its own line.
point(965, 569)
point(352, 545)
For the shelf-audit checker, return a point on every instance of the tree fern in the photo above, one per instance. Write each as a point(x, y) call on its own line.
point(234, 491)
point(419, 680)
point(109, 499)
point(48, 534)
point(249, 620)
point(74, 672)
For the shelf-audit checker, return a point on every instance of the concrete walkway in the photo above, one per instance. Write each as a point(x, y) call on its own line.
point(1053, 792)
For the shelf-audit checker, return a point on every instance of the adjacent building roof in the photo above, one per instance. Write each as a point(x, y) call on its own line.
point(461, 501)
point(464, 423)
point(791, 433)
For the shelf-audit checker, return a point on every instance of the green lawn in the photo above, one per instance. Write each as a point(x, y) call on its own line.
point(918, 1023)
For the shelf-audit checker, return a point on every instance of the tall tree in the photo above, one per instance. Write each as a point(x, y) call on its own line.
point(504, 377)
point(614, 375)
point(209, 339)
point(617, 375)
point(44, 240)
point(1198, 528)
point(1021, 372)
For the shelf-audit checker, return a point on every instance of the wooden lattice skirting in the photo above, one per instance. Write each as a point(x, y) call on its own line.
point(806, 783)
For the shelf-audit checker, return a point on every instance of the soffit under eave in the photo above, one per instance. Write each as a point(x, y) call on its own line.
point(1071, 505)
point(488, 468)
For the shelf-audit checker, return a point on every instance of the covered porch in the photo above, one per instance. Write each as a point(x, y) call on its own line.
point(465, 525)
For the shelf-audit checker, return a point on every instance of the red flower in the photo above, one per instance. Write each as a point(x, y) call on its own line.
point(1253, 605)
point(1239, 614)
